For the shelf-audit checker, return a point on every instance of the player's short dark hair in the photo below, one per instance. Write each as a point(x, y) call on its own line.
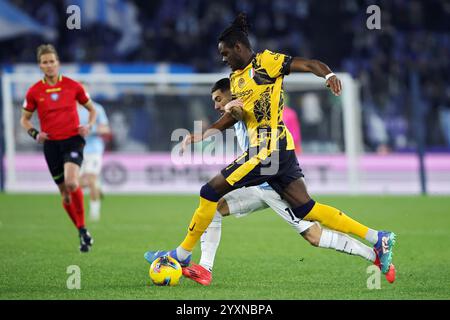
point(44, 49)
point(237, 32)
point(222, 85)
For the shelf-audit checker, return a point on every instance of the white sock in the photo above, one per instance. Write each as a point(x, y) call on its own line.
point(344, 243)
point(182, 254)
point(209, 242)
point(372, 236)
point(94, 209)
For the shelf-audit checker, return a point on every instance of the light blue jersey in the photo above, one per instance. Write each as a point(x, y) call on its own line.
point(242, 137)
point(94, 143)
point(241, 134)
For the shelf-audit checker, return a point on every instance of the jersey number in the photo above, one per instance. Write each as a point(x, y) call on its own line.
point(291, 214)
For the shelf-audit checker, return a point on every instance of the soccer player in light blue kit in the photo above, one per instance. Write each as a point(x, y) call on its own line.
point(93, 154)
point(243, 201)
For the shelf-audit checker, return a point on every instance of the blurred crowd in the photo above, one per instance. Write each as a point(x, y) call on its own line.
point(402, 68)
point(412, 45)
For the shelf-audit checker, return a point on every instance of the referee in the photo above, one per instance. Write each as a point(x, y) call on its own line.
point(55, 98)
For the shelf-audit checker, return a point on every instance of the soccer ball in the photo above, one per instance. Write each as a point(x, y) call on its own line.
point(165, 271)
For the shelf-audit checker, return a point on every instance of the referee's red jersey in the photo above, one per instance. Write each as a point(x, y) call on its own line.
point(57, 106)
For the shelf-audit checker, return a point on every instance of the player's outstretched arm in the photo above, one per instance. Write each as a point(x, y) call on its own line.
point(224, 122)
point(319, 69)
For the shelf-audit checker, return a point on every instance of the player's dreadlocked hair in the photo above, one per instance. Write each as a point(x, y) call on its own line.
point(237, 32)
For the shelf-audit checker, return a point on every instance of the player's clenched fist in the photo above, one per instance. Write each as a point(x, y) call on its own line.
point(235, 108)
point(335, 85)
point(41, 137)
point(83, 130)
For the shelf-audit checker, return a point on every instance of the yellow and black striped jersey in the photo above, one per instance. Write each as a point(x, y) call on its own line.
point(260, 86)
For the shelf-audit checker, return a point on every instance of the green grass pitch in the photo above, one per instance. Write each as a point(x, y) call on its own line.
point(260, 256)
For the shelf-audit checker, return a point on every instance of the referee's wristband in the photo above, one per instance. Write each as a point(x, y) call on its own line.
point(328, 76)
point(33, 133)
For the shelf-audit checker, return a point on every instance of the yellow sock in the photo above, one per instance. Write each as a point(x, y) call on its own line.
point(337, 220)
point(200, 221)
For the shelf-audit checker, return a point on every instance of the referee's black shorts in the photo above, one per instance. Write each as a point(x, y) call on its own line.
point(58, 152)
point(255, 166)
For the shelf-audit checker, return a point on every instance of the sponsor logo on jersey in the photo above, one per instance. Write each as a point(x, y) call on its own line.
point(54, 96)
point(74, 154)
point(238, 95)
point(241, 83)
point(53, 90)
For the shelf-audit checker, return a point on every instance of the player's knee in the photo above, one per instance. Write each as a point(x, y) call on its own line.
point(84, 181)
point(71, 185)
point(207, 192)
point(92, 182)
point(222, 207)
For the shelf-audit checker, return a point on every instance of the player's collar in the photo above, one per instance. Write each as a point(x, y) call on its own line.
point(59, 79)
point(250, 62)
point(251, 59)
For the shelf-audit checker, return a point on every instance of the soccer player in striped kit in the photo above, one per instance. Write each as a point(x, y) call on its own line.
point(244, 201)
point(257, 89)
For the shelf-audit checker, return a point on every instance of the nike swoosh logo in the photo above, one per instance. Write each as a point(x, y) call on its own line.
point(192, 228)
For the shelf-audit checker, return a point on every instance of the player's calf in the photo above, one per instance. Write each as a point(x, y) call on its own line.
point(313, 234)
